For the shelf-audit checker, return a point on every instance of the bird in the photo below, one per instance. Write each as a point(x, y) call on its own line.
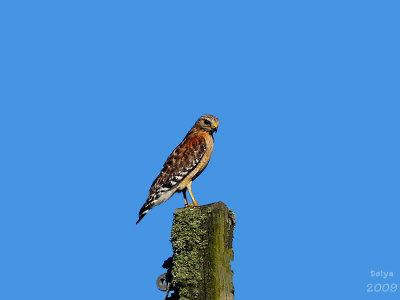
point(183, 165)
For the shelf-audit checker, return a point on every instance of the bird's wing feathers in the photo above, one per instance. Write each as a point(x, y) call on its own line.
point(178, 165)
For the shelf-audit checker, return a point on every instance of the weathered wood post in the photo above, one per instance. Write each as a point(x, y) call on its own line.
point(202, 242)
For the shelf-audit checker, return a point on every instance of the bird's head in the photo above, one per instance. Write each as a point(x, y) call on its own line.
point(208, 123)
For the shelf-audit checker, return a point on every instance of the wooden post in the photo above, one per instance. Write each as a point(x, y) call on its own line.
point(202, 242)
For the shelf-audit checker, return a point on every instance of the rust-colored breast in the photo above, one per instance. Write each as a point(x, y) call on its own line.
point(209, 141)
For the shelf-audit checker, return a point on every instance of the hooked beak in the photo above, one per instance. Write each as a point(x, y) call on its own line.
point(215, 127)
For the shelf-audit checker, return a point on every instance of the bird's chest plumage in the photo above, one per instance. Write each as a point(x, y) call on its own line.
point(201, 165)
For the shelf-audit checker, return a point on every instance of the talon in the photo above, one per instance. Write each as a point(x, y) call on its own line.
point(190, 205)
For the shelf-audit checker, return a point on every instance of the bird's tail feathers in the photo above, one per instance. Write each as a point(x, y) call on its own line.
point(145, 209)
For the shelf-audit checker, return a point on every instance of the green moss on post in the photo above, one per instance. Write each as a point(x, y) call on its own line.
point(202, 242)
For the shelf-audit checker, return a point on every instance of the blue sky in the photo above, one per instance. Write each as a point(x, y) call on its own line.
point(95, 95)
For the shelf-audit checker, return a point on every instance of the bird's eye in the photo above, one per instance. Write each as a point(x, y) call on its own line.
point(207, 122)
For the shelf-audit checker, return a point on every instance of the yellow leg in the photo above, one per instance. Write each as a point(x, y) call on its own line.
point(184, 197)
point(189, 187)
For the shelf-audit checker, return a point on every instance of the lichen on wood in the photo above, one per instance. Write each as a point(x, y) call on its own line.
point(202, 242)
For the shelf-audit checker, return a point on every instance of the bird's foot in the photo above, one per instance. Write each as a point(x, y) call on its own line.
point(190, 205)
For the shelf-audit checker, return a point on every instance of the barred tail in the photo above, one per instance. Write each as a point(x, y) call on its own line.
point(154, 200)
point(144, 210)
point(149, 204)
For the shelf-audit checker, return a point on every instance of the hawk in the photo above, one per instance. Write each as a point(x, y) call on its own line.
point(184, 165)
